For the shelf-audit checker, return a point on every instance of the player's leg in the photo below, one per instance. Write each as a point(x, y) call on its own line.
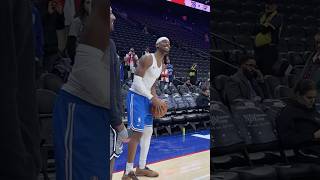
point(135, 106)
point(111, 167)
point(132, 148)
point(143, 170)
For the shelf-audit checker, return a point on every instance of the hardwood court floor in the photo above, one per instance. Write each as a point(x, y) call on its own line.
point(189, 167)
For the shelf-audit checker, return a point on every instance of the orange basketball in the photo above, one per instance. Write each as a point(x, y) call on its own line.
point(159, 114)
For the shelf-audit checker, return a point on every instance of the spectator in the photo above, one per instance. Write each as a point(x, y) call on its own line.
point(313, 68)
point(76, 27)
point(267, 37)
point(203, 99)
point(164, 78)
point(53, 22)
point(247, 83)
point(170, 70)
point(131, 63)
point(188, 83)
point(297, 123)
point(145, 30)
point(193, 74)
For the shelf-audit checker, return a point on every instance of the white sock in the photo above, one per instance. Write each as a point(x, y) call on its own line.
point(129, 168)
point(144, 146)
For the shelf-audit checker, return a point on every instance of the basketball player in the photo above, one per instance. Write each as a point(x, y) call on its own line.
point(84, 110)
point(140, 97)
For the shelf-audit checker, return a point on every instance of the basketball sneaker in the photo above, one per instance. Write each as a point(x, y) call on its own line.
point(130, 176)
point(146, 172)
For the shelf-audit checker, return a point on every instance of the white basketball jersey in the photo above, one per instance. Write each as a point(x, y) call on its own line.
point(151, 75)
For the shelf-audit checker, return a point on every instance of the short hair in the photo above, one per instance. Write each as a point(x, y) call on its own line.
point(304, 86)
point(245, 58)
point(270, 1)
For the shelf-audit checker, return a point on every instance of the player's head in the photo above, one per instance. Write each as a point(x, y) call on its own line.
point(306, 92)
point(317, 41)
point(163, 45)
point(87, 5)
point(112, 19)
point(270, 6)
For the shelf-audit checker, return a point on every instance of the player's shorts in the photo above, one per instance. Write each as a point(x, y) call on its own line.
point(116, 146)
point(80, 139)
point(139, 112)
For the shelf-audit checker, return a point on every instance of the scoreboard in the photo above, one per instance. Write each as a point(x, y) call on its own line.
point(192, 4)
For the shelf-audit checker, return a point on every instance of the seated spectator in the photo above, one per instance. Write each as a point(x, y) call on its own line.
point(203, 99)
point(297, 123)
point(313, 67)
point(187, 83)
point(76, 27)
point(247, 83)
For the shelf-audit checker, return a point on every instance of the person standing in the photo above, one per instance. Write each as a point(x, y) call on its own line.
point(141, 96)
point(84, 108)
point(193, 73)
point(118, 132)
point(267, 37)
point(19, 130)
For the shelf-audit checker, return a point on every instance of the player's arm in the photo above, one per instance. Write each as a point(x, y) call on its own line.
point(138, 84)
point(144, 63)
point(153, 90)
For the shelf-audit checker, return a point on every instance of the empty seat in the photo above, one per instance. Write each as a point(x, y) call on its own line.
point(225, 176)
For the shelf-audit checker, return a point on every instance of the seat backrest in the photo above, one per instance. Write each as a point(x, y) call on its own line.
point(190, 100)
point(224, 131)
point(180, 103)
point(257, 124)
point(45, 102)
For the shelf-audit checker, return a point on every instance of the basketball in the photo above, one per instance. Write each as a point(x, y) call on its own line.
point(159, 114)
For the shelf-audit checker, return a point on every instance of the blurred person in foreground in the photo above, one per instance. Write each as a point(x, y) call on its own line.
point(19, 130)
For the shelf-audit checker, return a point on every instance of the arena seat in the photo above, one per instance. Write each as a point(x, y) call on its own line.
point(225, 176)
point(45, 102)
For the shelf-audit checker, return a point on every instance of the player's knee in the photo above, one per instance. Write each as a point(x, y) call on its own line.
point(148, 131)
point(136, 136)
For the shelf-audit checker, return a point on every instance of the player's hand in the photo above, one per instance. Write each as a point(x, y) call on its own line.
point(122, 133)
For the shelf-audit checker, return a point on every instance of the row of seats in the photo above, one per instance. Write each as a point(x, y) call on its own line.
point(182, 108)
point(245, 144)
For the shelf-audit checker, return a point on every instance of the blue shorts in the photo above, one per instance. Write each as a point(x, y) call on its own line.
point(139, 112)
point(81, 139)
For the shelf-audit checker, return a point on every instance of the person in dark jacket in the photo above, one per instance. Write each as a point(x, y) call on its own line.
point(247, 83)
point(298, 122)
point(203, 99)
point(19, 130)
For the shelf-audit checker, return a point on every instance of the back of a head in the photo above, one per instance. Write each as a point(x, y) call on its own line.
point(245, 58)
point(304, 86)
